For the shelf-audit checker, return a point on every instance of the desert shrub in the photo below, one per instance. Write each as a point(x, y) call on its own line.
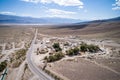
point(27, 45)
point(45, 58)
point(16, 64)
point(1, 47)
point(56, 77)
point(18, 57)
point(20, 53)
point(66, 44)
point(3, 65)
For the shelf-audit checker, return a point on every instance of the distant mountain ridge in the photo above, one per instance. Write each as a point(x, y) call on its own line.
point(29, 20)
point(106, 20)
point(84, 24)
point(100, 21)
point(12, 19)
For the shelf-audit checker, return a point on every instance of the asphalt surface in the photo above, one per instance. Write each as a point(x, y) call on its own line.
point(37, 71)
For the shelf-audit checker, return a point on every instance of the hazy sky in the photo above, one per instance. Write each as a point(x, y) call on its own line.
point(80, 9)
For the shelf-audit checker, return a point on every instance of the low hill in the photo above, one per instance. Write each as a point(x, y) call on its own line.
point(109, 28)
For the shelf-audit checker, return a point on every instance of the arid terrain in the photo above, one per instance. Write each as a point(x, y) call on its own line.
point(102, 65)
point(93, 67)
point(89, 30)
point(14, 41)
point(59, 40)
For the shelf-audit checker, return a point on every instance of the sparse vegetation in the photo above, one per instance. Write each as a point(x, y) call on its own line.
point(66, 44)
point(26, 66)
point(37, 51)
point(3, 65)
point(8, 46)
point(54, 57)
point(1, 50)
point(1, 47)
point(18, 57)
point(56, 46)
point(56, 77)
point(27, 45)
point(20, 53)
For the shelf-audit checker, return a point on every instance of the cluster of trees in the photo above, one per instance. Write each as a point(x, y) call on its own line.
point(54, 57)
point(3, 65)
point(90, 48)
point(83, 48)
point(57, 55)
point(72, 52)
point(57, 47)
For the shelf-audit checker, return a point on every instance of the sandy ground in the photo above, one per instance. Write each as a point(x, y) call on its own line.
point(20, 73)
point(112, 63)
point(84, 70)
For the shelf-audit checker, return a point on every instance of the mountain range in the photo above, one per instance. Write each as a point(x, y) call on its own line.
point(29, 20)
point(12, 19)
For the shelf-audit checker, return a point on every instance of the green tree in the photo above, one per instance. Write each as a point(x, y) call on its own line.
point(83, 47)
point(76, 50)
point(55, 57)
point(91, 48)
point(56, 46)
point(70, 52)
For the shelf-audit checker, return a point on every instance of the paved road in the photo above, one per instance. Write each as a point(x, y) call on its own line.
point(42, 75)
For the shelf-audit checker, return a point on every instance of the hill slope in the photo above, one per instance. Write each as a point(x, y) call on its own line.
point(106, 28)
